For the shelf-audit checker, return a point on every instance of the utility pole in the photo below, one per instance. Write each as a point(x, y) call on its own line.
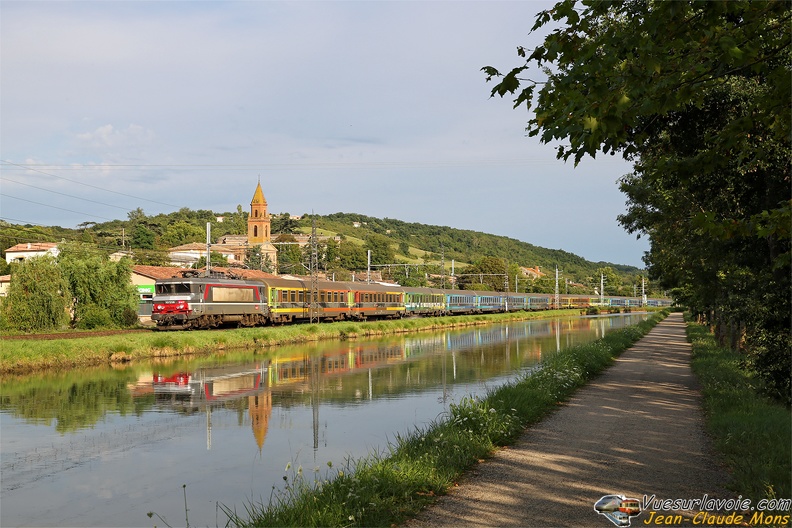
point(442, 262)
point(368, 267)
point(208, 249)
point(314, 306)
point(643, 291)
point(557, 299)
point(506, 284)
point(602, 289)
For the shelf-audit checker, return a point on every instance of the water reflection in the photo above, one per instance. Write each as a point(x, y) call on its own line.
point(249, 414)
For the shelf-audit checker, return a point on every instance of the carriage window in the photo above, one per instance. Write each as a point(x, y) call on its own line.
point(301, 296)
point(293, 295)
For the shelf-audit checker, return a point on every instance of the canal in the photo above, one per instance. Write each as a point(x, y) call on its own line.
point(104, 447)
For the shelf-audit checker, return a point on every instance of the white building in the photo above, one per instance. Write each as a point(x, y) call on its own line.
point(22, 252)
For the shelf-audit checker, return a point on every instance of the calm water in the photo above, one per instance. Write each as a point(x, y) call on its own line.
point(104, 447)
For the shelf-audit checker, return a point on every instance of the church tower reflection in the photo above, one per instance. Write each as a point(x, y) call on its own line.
point(260, 410)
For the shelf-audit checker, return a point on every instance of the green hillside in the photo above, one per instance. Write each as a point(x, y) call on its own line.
point(418, 249)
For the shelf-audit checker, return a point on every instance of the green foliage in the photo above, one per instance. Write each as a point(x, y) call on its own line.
point(92, 316)
point(289, 255)
point(182, 232)
point(697, 95)
point(638, 59)
point(750, 431)
point(463, 246)
point(38, 296)
point(381, 250)
point(143, 237)
point(215, 259)
point(284, 224)
point(101, 289)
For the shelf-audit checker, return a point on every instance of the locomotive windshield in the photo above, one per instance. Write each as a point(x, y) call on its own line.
point(172, 288)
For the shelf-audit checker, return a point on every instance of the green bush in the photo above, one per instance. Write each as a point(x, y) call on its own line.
point(93, 316)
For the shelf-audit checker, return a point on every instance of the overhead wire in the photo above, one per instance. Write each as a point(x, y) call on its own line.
point(30, 168)
point(56, 207)
point(64, 194)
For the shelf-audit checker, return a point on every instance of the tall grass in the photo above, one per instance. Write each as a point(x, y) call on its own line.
point(752, 432)
point(21, 356)
point(386, 488)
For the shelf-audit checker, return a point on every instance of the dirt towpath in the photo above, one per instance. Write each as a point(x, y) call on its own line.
point(636, 430)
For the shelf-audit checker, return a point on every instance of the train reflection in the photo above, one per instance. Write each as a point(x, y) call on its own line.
point(329, 371)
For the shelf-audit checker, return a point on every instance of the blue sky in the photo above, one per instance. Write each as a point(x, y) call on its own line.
point(378, 108)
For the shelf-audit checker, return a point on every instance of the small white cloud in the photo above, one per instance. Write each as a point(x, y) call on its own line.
point(109, 136)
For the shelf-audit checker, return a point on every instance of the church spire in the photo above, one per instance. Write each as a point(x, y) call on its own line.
point(259, 219)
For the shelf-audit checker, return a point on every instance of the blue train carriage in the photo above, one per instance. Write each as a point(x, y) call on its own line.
point(538, 301)
point(626, 302)
point(424, 301)
point(208, 302)
point(462, 302)
point(527, 302)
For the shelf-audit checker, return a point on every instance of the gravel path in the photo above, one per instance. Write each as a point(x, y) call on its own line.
point(636, 430)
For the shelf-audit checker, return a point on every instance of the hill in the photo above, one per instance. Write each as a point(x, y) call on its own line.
point(391, 241)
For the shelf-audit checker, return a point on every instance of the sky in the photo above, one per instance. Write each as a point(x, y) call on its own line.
point(371, 107)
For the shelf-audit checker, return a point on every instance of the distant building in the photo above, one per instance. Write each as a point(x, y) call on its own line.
point(22, 252)
point(532, 273)
point(5, 283)
point(186, 255)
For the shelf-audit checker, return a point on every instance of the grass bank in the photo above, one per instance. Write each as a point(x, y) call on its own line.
point(751, 432)
point(387, 488)
point(19, 356)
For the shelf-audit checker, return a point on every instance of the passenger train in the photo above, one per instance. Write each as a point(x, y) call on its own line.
point(209, 302)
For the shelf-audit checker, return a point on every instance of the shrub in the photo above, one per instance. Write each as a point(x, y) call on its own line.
point(93, 316)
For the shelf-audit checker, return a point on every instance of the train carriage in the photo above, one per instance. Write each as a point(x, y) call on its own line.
point(424, 301)
point(208, 302)
point(376, 300)
point(462, 302)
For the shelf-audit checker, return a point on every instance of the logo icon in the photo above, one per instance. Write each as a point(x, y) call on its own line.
point(618, 509)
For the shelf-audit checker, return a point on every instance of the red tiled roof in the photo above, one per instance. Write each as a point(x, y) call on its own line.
point(32, 246)
point(167, 272)
point(192, 246)
point(243, 273)
point(157, 272)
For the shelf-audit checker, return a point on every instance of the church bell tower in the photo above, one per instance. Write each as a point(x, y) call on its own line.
point(259, 219)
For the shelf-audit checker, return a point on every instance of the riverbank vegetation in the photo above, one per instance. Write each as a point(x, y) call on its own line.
point(750, 431)
point(386, 488)
point(25, 355)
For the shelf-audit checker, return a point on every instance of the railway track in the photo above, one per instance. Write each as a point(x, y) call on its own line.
point(74, 335)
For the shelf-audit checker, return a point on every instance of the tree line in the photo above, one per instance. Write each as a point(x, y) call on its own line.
point(696, 95)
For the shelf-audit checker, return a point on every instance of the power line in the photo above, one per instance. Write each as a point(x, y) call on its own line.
point(55, 207)
point(64, 194)
point(30, 168)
